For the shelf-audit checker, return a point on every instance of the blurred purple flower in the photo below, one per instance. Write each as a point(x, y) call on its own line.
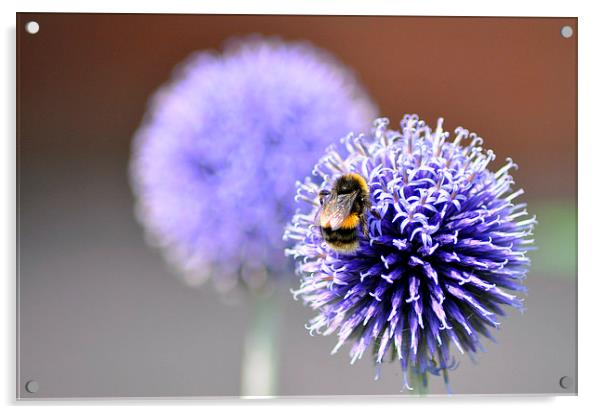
point(214, 163)
point(446, 246)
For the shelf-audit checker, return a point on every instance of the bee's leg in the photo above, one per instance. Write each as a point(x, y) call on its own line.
point(364, 224)
point(376, 214)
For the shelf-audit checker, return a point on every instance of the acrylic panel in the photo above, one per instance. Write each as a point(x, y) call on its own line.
point(164, 249)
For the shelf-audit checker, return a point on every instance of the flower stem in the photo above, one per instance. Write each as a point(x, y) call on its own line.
point(260, 354)
point(419, 382)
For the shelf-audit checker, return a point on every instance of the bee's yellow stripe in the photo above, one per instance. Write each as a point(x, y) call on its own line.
point(361, 181)
point(350, 222)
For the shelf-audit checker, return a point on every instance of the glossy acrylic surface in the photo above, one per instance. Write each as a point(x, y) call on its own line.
point(102, 315)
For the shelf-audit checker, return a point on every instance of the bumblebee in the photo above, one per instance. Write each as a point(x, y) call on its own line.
point(342, 212)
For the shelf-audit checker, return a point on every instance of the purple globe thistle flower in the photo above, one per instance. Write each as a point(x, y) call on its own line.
point(214, 163)
point(445, 250)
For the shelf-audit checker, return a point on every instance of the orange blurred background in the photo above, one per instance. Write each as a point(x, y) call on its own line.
point(511, 80)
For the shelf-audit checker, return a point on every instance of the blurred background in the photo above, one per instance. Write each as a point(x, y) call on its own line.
point(102, 315)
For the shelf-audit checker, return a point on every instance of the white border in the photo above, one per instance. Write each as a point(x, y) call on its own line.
point(590, 70)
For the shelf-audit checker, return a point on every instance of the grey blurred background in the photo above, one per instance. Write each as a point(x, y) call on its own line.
point(101, 314)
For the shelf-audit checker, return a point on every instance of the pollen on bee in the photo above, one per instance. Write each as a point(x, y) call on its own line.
point(350, 222)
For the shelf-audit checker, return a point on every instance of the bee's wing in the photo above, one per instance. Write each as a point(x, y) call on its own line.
point(317, 216)
point(336, 209)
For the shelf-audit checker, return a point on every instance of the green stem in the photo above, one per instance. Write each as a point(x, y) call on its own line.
point(260, 354)
point(419, 382)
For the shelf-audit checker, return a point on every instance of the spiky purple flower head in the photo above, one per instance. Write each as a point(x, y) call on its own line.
point(215, 161)
point(446, 248)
